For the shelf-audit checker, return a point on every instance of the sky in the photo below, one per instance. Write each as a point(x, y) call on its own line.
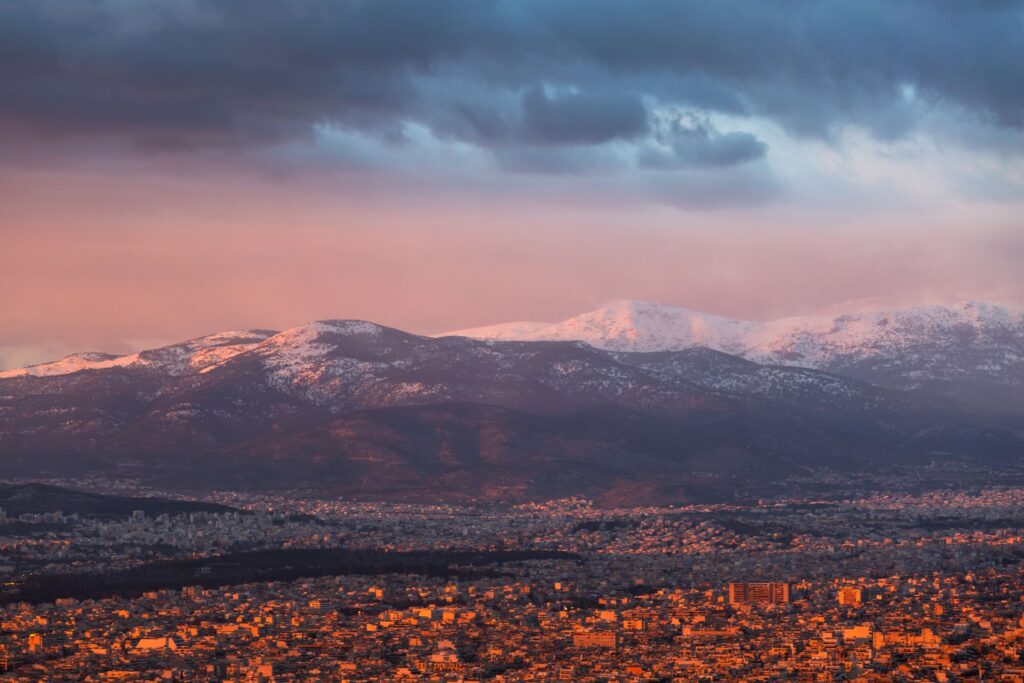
point(178, 167)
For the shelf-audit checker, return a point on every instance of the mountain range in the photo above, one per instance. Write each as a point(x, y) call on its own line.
point(633, 401)
point(972, 350)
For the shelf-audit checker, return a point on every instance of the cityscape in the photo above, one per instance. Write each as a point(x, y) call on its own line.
point(511, 341)
point(884, 587)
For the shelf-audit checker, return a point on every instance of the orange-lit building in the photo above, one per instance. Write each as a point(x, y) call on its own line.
point(758, 593)
point(850, 596)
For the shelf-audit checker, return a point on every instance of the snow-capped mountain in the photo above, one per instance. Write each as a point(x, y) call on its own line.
point(363, 409)
point(920, 347)
point(629, 326)
point(179, 359)
point(976, 344)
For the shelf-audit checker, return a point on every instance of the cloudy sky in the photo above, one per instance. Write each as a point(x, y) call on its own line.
point(176, 167)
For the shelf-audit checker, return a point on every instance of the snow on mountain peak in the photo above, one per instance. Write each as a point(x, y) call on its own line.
point(646, 326)
point(892, 347)
point(203, 354)
point(308, 339)
point(305, 360)
point(628, 325)
point(89, 360)
point(919, 339)
point(177, 359)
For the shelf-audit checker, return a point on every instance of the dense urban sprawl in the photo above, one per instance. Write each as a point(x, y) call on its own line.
point(882, 587)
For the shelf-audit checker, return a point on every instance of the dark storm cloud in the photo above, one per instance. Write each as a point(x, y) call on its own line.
point(686, 141)
point(582, 117)
point(186, 74)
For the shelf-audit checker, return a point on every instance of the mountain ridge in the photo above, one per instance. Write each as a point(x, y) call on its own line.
point(350, 407)
point(635, 325)
point(626, 325)
point(356, 408)
point(976, 344)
